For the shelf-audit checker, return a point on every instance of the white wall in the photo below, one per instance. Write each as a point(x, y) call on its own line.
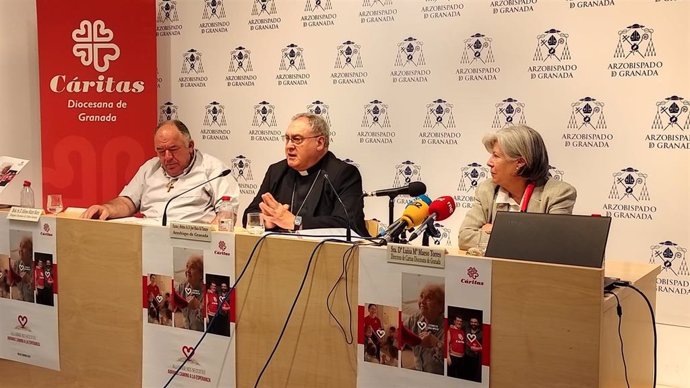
point(20, 131)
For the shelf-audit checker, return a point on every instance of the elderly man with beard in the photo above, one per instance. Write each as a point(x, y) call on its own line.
point(427, 324)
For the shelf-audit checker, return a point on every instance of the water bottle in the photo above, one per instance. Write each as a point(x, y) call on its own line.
point(226, 215)
point(26, 198)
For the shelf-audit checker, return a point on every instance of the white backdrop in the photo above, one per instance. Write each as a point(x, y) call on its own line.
point(410, 88)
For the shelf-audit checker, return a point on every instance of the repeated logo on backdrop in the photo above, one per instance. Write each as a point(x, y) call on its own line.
point(377, 11)
point(167, 112)
point(669, 125)
point(167, 19)
point(552, 58)
point(322, 109)
point(635, 54)
point(476, 62)
point(348, 65)
point(406, 172)
point(586, 125)
point(242, 172)
point(509, 112)
point(317, 14)
point(264, 123)
point(630, 195)
point(376, 124)
point(674, 276)
point(440, 10)
point(213, 16)
point(240, 68)
point(503, 7)
point(439, 124)
point(471, 175)
point(215, 124)
point(264, 16)
point(410, 63)
point(292, 63)
point(192, 71)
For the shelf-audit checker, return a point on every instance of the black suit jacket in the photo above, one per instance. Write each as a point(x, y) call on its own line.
point(321, 209)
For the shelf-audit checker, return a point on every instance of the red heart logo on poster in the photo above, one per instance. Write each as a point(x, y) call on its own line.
point(188, 351)
point(421, 325)
point(380, 333)
point(23, 320)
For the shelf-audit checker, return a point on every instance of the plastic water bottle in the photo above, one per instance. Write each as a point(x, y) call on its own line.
point(26, 198)
point(226, 215)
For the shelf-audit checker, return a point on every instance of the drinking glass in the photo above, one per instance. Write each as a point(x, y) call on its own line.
point(255, 223)
point(54, 203)
point(483, 242)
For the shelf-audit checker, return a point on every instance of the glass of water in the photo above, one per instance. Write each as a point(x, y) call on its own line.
point(255, 223)
point(54, 203)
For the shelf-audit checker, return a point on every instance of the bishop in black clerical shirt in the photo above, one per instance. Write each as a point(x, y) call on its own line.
point(295, 194)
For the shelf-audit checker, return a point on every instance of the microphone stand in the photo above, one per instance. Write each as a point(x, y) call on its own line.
point(348, 233)
point(430, 231)
point(391, 205)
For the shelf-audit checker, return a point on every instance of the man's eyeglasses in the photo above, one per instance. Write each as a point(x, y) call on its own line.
point(297, 139)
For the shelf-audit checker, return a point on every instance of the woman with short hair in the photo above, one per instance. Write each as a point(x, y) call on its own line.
point(520, 181)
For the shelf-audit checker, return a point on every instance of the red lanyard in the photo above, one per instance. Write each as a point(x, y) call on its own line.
point(526, 197)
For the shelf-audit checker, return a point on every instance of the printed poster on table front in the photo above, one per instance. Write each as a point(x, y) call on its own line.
point(184, 283)
point(29, 293)
point(421, 326)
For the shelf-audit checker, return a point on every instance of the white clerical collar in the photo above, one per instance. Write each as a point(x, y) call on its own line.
point(303, 173)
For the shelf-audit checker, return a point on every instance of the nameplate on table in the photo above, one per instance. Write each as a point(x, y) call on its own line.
point(24, 214)
point(190, 231)
point(414, 255)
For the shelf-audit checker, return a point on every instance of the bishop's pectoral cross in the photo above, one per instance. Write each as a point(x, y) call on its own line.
point(171, 184)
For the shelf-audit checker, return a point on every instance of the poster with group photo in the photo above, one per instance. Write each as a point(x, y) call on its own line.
point(28, 293)
point(184, 289)
point(421, 326)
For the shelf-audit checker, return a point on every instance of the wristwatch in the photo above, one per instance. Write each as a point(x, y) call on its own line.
point(298, 223)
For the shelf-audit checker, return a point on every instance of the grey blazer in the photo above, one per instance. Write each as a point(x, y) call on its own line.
point(555, 197)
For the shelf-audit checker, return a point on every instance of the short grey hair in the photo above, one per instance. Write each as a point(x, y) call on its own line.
point(180, 127)
point(318, 124)
point(521, 141)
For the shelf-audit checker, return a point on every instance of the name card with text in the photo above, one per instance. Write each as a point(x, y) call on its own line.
point(190, 231)
point(413, 255)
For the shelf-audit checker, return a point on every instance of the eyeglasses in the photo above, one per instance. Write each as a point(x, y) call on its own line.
point(297, 139)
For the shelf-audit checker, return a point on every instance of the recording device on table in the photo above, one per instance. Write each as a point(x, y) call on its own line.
point(414, 214)
point(165, 210)
point(412, 189)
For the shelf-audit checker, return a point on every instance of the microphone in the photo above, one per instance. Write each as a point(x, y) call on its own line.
point(439, 210)
point(413, 189)
point(348, 235)
point(412, 216)
point(165, 210)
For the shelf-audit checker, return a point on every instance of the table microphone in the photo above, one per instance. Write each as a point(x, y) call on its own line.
point(413, 189)
point(439, 210)
point(348, 235)
point(165, 210)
